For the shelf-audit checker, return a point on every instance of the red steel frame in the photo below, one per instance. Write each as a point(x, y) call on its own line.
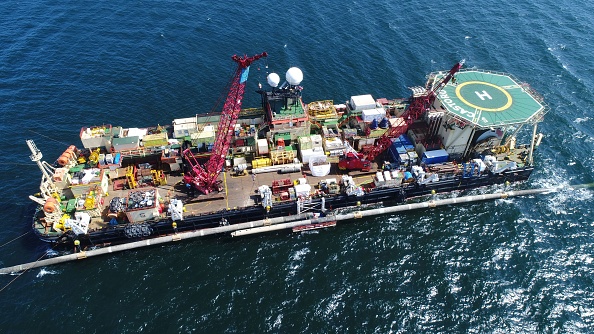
point(205, 178)
point(418, 106)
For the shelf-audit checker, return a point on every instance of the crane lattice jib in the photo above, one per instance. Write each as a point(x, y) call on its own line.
point(417, 107)
point(205, 179)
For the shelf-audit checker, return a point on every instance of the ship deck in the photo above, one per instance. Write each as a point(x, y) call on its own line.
point(241, 191)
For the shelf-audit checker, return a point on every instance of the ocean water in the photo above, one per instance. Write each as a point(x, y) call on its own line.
point(520, 265)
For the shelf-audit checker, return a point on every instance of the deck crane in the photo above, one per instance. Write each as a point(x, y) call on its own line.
point(205, 178)
point(419, 105)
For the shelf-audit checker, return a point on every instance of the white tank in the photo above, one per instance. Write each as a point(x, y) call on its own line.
point(294, 76)
point(273, 79)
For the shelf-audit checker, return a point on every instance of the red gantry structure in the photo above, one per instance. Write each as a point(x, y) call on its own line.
point(205, 178)
point(419, 105)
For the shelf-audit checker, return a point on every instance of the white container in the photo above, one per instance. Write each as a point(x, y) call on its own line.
point(387, 175)
point(368, 115)
point(361, 102)
point(316, 141)
point(307, 155)
point(137, 132)
point(262, 145)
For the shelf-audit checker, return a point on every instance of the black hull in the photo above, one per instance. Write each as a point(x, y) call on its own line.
point(388, 196)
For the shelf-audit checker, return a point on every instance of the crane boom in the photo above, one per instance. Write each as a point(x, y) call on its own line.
point(417, 107)
point(205, 178)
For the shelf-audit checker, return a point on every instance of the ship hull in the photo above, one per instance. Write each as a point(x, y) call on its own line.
point(386, 196)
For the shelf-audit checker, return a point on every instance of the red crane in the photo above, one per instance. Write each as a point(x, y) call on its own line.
point(419, 105)
point(205, 178)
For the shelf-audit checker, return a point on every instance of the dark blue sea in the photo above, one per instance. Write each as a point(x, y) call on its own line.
point(520, 265)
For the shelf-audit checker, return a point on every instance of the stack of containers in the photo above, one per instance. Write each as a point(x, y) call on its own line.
point(310, 147)
point(402, 151)
point(305, 151)
point(395, 150)
point(413, 158)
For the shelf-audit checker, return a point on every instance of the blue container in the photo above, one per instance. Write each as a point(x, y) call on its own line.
point(393, 156)
point(404, 140)
point(435, 157)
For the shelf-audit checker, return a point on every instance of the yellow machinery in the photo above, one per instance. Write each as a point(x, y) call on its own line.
point(159, 178)
point(131, 177)
point(94, 157)
point(90, 202)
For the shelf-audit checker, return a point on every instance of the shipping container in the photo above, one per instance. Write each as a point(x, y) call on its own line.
point(368, 115)
point(361, 102)
point(435, 157)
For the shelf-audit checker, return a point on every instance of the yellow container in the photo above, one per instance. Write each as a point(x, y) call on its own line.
point(261, 162)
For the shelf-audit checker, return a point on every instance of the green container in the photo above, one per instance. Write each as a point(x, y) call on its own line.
point(77, 168)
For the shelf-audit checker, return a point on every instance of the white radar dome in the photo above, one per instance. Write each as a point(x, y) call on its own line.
point(294, 76)
point(273, 79)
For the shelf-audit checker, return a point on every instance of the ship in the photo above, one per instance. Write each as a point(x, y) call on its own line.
point(287, 158)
